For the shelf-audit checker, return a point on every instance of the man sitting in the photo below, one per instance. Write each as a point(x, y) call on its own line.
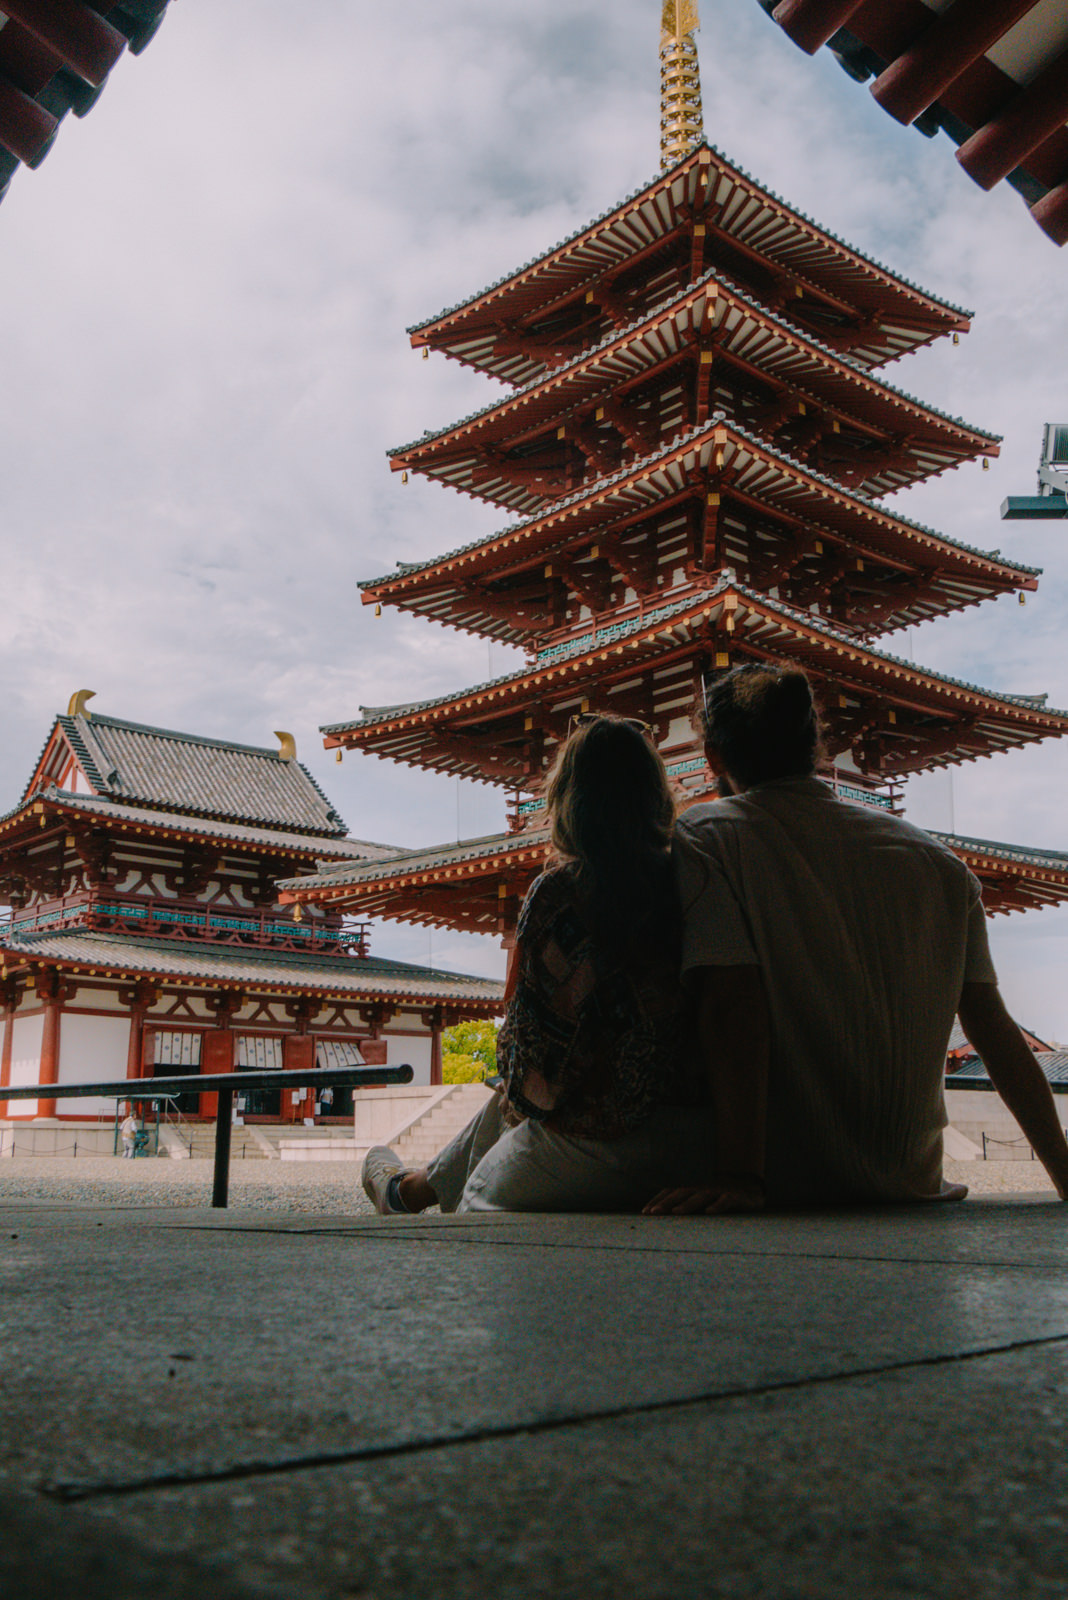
point(831, 946)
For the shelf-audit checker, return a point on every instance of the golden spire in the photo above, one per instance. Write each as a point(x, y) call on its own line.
point(681, 123)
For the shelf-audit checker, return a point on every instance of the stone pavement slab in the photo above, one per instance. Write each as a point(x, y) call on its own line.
point(782, 1405)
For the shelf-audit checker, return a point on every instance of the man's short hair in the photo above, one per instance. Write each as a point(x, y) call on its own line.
point(763, 722)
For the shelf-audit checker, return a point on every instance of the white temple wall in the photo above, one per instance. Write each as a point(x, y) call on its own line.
point(99, 1000)
point(91, 1048)
point(26, 1036)
point(411, 1049)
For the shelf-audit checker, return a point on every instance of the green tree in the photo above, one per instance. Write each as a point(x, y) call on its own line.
point(469, 1052)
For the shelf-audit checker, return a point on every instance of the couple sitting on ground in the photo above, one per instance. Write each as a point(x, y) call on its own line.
point(750, 1006)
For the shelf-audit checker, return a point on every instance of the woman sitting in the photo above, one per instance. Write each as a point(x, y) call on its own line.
point(599, 1089)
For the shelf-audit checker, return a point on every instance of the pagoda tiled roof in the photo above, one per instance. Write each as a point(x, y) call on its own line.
point(115, 815)
point(945, 720)
point(363, 978)
point(655, 619)
point(1054, 1064)
point(491, 847)
point(533, 535)
point(379, 887)
point(196, 776)
point(58, 61)
point(1052, 860)
point(805, 343)
point(803, 241)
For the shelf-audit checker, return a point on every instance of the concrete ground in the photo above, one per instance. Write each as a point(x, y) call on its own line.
point(254, 1403)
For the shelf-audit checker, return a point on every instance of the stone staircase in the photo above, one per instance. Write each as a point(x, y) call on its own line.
point(196, 1142)
point(431, 1131)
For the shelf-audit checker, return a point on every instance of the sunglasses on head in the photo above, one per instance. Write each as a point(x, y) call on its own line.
point(582, 719)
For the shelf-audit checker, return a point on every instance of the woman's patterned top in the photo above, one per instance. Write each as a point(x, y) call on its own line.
point(590, 1045)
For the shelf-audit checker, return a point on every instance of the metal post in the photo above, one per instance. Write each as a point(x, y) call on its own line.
point(223, 1124)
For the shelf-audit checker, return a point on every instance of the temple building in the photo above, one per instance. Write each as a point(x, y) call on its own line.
point(694, 449)
point(146, 938)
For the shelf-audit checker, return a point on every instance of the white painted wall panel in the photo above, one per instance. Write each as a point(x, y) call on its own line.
point(91, 1048)
point(411, 1049)
point(26, 1036)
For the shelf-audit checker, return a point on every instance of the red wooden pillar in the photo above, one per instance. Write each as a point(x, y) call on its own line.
point(5, 1054)
point(134, 1051)
point(216, 1055)
point(435, 1021)
point(298, 1055)
point(50, 1053)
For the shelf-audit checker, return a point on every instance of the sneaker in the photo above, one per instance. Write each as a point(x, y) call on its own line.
point(380, 1165)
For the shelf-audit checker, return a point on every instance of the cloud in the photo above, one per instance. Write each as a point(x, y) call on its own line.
point(205, 292)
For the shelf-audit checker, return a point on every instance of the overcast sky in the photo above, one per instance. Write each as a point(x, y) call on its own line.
point(205, 289)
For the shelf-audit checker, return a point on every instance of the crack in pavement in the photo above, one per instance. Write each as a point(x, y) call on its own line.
point(478, 1236)
point(71, 1491)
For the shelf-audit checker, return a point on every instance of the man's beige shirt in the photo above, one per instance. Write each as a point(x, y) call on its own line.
point(865, 929)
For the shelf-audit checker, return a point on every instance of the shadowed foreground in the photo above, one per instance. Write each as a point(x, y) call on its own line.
point(246, 1403)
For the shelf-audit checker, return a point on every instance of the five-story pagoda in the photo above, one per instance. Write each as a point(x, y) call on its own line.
point(694, 450)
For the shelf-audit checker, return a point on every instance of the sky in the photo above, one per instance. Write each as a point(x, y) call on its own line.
point(204, 292)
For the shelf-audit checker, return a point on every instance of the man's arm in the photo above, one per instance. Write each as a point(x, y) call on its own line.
point(734, 1034)
point(1016, 1075)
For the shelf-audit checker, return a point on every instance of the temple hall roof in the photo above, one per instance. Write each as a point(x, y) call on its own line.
point(370, 977)
point(240, 836)
point(185, 772)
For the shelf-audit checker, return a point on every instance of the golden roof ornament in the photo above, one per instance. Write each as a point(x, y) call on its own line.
point(681, 117)
point(76, 708)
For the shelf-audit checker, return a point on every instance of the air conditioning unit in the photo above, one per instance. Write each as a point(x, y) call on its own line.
point(1053, 467)
point(1051, 501)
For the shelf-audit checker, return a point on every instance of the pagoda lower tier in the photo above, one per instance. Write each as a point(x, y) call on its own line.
point(885, 716)
point(478, 885)
point(715, 497)
point(710, 348)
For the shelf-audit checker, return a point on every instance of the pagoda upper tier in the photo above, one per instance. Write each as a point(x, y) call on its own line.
point(704, 213)
point(708, 347)
point(886, 717)
point(716, 496)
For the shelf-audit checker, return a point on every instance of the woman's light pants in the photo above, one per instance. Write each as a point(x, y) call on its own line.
point(491, 1167)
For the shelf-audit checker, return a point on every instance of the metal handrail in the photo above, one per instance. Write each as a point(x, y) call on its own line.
point(224, 1084)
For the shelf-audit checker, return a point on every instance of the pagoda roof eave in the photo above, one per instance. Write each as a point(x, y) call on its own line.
point(408, 455)
point(475, 856)
point(350, 978)
point(772, 629)
point(391, 587)
point(1015, 877)
point(828, 246)
point(168, 824)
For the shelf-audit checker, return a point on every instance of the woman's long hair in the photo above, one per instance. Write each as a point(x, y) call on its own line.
point(611, 813)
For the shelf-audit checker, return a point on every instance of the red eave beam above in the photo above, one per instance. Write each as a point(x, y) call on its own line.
point(953, 42)
point(1029, 118)
point(52, 34)
point(80, 38)
point(810, 23)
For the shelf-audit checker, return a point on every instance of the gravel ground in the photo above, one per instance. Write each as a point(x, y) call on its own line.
point(314, 1186)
